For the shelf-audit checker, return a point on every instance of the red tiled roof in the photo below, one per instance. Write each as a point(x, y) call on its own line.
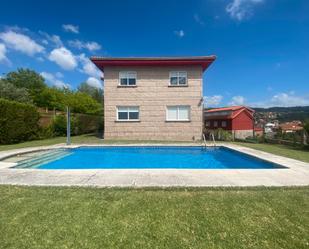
point(291, 126)
point(234, 111)
point(229, 108)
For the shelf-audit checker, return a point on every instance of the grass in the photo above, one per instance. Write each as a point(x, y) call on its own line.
point(281, 150)
point(58, 217)
point(82, 139)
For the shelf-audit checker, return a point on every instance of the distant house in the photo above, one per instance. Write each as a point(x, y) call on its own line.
point(290, 127)
point(269, 127)
point(153, 98)
point(237, 119)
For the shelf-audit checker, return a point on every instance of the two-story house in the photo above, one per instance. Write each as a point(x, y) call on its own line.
point(157, 98)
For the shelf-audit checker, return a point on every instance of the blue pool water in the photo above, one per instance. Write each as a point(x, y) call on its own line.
point(156, 158)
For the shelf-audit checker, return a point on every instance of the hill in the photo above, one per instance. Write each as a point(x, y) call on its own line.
point(283, 114)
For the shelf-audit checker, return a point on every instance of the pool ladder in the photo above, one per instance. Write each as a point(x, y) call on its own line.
point(213, 139)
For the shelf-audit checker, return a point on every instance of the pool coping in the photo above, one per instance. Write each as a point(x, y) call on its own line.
point(296, 173)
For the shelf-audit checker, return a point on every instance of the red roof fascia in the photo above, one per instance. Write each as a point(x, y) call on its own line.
point(204, 62)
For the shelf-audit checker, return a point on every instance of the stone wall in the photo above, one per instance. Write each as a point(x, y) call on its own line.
point(242, 134)
point(153, 94)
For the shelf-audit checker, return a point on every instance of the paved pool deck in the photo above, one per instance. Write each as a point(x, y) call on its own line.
point(296, 173)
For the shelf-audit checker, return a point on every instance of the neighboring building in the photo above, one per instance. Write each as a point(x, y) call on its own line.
point(157, 98)
point(237, 119)
point(269, 127)
point(290, 127)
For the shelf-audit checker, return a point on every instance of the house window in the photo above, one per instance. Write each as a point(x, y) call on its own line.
point(207, 123)
point(215, 123)
point(178, 113)
point(127, 113)
point(178, 78)
point(127, 78)
point(223, 124)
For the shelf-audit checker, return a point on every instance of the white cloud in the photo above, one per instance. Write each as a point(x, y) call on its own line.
point(71, 28)
point(55, 39)
point(211, 101)
point(3, 57)
point(198, 19)
point(89, 68)
point(237, 100)
point(63, 57)
point(91, 46)
point(288, 99)
point(21, 42)
point(241, 9)
point(91, 81)
point(50, 78)
point(179, 33)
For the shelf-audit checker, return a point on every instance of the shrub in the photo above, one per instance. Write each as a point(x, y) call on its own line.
point(59, 125)
point(46, 132)
point(223, 135)
point(18, 122)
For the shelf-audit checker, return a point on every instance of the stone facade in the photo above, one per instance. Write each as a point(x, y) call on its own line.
point(242, 134)
point(153, 94)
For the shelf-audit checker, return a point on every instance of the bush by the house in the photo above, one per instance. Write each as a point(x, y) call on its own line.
point(18, 122)
point(80, 124)
point(59, 125)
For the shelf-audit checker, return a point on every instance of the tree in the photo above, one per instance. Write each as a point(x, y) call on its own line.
point(26, 78)
point(306, 132)
point(306, 125)
point(11, 92)
point(51, 98)
point(82, 103)
point(94, 92)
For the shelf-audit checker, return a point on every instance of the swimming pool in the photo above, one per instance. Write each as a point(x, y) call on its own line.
point(147, 157)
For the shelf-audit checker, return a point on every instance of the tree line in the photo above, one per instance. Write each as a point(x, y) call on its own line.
point(27, 86)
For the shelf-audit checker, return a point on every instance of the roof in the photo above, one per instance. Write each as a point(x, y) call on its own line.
point(203, 61)
point(291, 126)
point(229, 108)
point(227, 112)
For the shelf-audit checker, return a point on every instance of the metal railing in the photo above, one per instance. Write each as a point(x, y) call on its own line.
point(204, 140)
point(213, 139)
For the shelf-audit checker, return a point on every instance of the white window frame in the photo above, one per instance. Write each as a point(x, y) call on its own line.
point(215, 123)
point(207, 123)
point(178, 76)
point(177, 119)
point(129, 109)
point(127, 75)
point(223, 124)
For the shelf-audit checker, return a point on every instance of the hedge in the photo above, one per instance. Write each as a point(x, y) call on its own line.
point(80, 124)
point(18, 122)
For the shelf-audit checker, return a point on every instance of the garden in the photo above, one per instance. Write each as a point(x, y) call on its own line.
point(31, 110)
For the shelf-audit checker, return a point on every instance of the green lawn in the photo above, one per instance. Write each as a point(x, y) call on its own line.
point(281, 150)
point(58, 217)
point(83, 139)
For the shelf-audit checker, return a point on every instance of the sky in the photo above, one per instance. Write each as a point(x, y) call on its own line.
point(262, 46)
